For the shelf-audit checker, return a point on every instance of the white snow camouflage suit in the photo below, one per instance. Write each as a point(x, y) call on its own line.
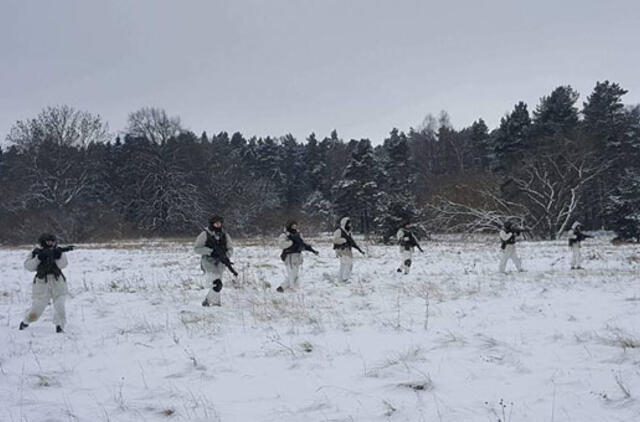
point(406, 252)
point(45, 289)
point(343, 252)
point(509, 251)
point(212, 268)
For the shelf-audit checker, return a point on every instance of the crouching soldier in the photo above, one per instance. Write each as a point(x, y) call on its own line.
point(343, 243)
point(292, 243)
point(408, 242)
point(49, 284)
point(215, 247)
point(508, 244)
point(575, 239)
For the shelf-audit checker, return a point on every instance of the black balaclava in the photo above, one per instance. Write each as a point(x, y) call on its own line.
point(289, 227)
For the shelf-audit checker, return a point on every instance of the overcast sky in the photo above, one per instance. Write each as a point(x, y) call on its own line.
point(273, 67)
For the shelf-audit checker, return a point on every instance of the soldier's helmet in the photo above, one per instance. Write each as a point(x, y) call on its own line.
point(215, 219)
point(290, 224)
point(45, 237)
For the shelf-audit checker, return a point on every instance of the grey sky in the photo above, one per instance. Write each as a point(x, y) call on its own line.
point(272, 67)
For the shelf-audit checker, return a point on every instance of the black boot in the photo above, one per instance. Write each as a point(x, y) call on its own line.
point(59, 329)
point(22, 326)
point(280, 289)
point(205, 302)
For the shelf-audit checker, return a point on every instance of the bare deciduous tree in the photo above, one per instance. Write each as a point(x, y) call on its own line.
point(551, 187)
point(165, 201)
point(545, 193)
point(60, 125)
point(153, 124)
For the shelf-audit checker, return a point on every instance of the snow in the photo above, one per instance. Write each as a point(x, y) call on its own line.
point(453, 341)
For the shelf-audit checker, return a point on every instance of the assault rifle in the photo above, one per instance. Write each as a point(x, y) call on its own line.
point(298, 246)
point(579, 238)
point(48, 257)
point(519, 230)
point(350, 242)
point(515, 230)
point(51, 251)
point(412, 241)
point(221, 256)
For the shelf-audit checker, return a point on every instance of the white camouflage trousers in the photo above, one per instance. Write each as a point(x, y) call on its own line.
point(346, 264)
point(406, 260)
point(292, 264)
point(42, 292)
point(213, 272)
point(576, 256)
point(509, 253)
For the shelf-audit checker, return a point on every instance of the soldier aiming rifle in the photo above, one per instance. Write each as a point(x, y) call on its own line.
point(575, 243)
point(508, 237)
point(49, 283)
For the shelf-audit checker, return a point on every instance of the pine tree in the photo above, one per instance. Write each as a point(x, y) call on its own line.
point(293, 169)
point(511, 140)
point(555, 116)
point(480, 145)
point(605, 116)
point(606, 132)
point(356, 192)
point(399, 175)
point(623, 207)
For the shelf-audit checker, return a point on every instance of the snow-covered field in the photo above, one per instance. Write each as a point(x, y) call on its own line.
point(453, 341)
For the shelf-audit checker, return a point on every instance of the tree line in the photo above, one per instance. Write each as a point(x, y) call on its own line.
point(548, 167)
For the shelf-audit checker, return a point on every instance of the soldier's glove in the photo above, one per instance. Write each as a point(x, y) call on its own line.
point(35, 252)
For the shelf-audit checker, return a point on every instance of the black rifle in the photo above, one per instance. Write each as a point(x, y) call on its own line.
point(579, 238)
point(350, 242)
point(516, 231)
point(412, 241)
point(48, 257)
point(519, 230)
point(221, 256)
point(298, 246)
point(53, 250)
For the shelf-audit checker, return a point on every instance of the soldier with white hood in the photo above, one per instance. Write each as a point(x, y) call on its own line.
point(343, 243)
point(49, 283)
point(575, 239)
point(408, 242)
point(508, 237)
point(292, 246)
point(215, 247)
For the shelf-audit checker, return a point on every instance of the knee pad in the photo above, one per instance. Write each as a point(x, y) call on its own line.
point(217, 285)
point(407, 262)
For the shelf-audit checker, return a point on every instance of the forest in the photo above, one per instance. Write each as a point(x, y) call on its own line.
point(547, 166)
